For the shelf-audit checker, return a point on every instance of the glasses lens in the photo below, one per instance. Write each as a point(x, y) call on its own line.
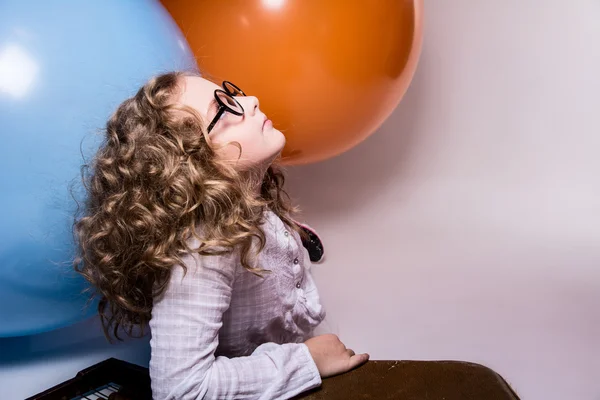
point(233, 89)
point(230, 103)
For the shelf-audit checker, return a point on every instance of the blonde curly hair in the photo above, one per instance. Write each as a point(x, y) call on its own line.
point(154, 180)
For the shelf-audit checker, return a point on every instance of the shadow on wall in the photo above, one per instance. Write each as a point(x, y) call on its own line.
point(335, 187)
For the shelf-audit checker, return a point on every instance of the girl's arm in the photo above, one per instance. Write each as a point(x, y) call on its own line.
point(185, 334)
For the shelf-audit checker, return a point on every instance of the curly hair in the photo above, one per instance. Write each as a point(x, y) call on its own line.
point(153, 182)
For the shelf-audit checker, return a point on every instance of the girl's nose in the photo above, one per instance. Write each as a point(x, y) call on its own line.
point(250, 104)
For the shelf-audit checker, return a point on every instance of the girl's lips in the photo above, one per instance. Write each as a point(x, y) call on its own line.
point(267, 122)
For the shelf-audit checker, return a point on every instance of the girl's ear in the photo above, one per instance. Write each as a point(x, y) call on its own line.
point(312, 242)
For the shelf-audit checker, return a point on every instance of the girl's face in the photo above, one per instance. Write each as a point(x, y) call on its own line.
point(260, 142)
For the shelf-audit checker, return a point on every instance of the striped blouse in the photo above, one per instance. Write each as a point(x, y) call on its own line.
point(221, 332)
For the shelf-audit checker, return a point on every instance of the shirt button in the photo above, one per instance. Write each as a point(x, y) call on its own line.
point(296, 261)
point(298, 285)
point(286, 233)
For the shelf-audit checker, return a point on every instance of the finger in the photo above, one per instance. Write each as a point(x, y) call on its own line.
point(350, 352)
point(357, 360)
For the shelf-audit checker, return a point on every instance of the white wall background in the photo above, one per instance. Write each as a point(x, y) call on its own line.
point(466, 228)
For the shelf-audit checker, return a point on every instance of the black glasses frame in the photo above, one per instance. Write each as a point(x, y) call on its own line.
point(229, 90)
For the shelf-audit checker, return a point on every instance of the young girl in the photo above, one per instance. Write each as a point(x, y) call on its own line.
point(187, 227)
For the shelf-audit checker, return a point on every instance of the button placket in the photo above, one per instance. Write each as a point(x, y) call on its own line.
point(296, 267)
point(298, 272)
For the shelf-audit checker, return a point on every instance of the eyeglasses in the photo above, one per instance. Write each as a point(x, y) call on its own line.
point(226, 102)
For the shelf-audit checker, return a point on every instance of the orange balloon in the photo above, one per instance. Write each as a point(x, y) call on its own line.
point(327, 72)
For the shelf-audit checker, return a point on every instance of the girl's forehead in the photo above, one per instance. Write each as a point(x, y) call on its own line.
point(198, 93)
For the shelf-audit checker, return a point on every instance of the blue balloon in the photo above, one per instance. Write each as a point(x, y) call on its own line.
point(64, 68)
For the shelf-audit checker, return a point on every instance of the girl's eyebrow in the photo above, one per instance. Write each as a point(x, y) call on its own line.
point(213, 106)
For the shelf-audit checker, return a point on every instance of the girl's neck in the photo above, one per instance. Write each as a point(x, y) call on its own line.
point(256, 177)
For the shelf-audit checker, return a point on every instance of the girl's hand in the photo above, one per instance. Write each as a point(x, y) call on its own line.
point(331, 355)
